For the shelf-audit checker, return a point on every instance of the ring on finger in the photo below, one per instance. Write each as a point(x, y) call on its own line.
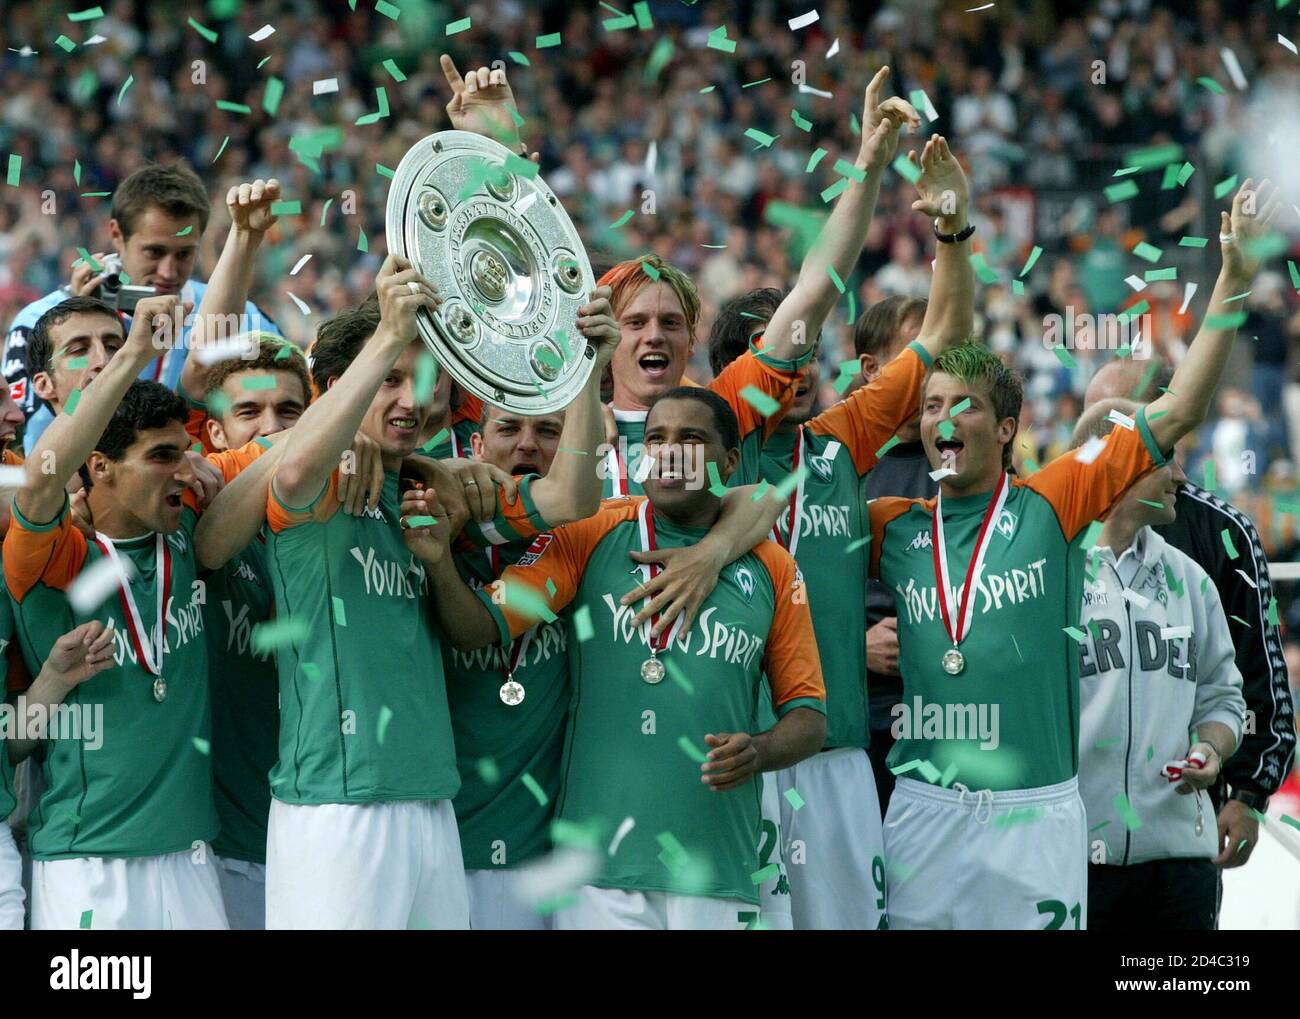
point(414, 287)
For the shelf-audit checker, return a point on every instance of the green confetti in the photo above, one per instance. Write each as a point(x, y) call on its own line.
point(530, 783)
point(985, 272)
point(286, 208)
point(230, 107)
point(65, 43)
point(520, 167)
point(790, 482)
point(855, 545)
point(383, 171)
point(311, 670)
point(263, 61)
point(820, 154)
point(582, 624)
point(718, 40)
point(426, 376)
point(1154, 158)
point(760, 401)
point(764, 139)
point(621, 221)
point(1193, 242)
point(688, 747)
point(414, 522)
point(456, 27)
point(202, 746)
point(256, 382)
point(957, 408)
point(1151, 751)
point(835, 278)
point(1153, 503)
point(362, 243)
point(905, 168)
point(765, 874)
point(1272, 612)
point(949, 773)
point(125, 85)
point(1295, 273)
point(928, 771)
point(1121, 192)
point(677, 676)
point(86, 918)
point(387, 10)
point(1237, 297)
point(1225, 186)
point(1153, 275)
point(894, 440)
point(1185, 174)
point(1288, 819)
point(70, 404)
point(848, 372)
point(1225, 321)
point(224, 143)
point(1141, 308)
point(89, 260)
point(15, 169)
point(835, 190)
point(272, 96)
point(278, 633)
point(1126, 812)
point(1016, 645)
point(1211, 84)
point(340, 611)
point(89, 14)
point(794, 799)
point(1063, 356)
point(641, 10)
point(435, 442)
point(1148, 252)
point(715, 481)
point(847, 169)
point(1078, 635)
point(1228, 546)
point(385, 716)
point(76, 363)
point(97, 194)
point(1033, 258)
point(488, 771)
point(391, 67)
point(802, 123)
point(519, 58)
point(547, 41)
point(550, 587)
point(660, 57)
point(946, 428)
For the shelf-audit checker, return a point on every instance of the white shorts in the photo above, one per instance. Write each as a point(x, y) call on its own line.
point(834, 844)
point(11, 880)
point(495, 904)
point(365, 866)
point(243, 890)
point(1015, 860)
point(616, 909)
point(774, 893)
point(178, 891)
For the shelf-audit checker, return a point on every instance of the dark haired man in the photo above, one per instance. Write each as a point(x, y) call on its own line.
point(156, 223)
point(685, 840)
point(991, 832)
point(120, 836)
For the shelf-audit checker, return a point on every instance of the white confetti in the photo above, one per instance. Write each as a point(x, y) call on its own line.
point(1136, 598)
point(525, 203)
point(1253, 585)
point(556, 875)
point(1123, 420)
point(265, 32)
point(808, 89)
point(941, 473)
point(13, 477)
point(1286, 42)
point(324, 86)
point(225, 350)
point(1090, 450)
point(96, 584)
point(95, 40)
point(1175, 632)
point(299, 264)
point(302, 305)
point(1187, 297)
point(835, 48)
point(1234, 68)
point(930, 112)
point(627, 825)
point(651, 157)
point(1136, 282)
point(972, 10)
point(803, 21)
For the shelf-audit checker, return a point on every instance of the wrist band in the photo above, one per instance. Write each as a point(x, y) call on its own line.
point(956, 238)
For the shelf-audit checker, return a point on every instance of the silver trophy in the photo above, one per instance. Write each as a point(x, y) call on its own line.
point(508, 263)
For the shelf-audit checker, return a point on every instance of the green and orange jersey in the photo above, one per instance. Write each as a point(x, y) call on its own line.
point(146, 788)
point(773, 379)
point(363, 700)
point(7, 800)
point(633, 749)
point(1019, 657)
point(836, 449)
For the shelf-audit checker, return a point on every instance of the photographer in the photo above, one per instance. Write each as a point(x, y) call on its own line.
point(157, 221)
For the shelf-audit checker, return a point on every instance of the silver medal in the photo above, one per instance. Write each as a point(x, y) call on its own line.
point(953, 661)
point(160, 689)
point(512, 693)
point(652, 670)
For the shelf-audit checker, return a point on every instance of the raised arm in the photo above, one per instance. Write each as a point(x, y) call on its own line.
point(227, 290)
point(840, 242)
point(234, 517)
point(1185, 405)
point(483, 103)
point(64, 446)
point(944, 195)
point(321, 435)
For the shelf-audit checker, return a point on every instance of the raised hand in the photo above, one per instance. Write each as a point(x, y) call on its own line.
point(942, 188)
point(428, 541)
point(483, 103)
point(879, 143)
point(1253, 212)
point(597, 323)
point(81, 653)
point(402, 292)
point(250, 205)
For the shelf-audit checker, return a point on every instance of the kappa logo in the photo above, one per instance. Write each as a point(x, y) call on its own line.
point(177, 542)
point(922, 540)
point(246, 572)
point(744, 580)
point(374, 514)
point(535, 550)
point(1006, 525)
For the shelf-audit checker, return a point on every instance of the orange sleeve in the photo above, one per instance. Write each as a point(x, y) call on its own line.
point(688, 381)
point(790, 659)
point(779, 383)
point(12, 459)
point(873, 413)
point(1082, 492)
point(522, 597)
point(231, 462)
point(281, 517)
point(198, 417)
point(882, 511)
point(470, 409)
point(52, 553)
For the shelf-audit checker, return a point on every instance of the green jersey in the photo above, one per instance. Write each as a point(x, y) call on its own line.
point(142, 786)
point(633, 749)
point(624, 468)
point(1009, 719)
point(503, 821)
point(7, 800)
point(831, 543)
point(245, 702)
